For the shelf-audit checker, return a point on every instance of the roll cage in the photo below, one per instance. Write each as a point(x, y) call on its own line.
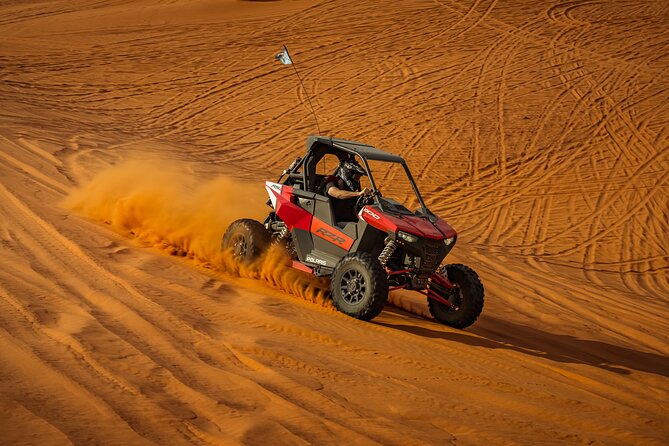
point(319, 146)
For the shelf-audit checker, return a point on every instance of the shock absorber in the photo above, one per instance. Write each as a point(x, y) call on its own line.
point(388, 251)
point(283, 234)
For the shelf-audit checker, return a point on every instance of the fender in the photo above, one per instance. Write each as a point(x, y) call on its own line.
point(290, 213)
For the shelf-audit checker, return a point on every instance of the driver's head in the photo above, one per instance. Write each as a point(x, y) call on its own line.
point(350, 172)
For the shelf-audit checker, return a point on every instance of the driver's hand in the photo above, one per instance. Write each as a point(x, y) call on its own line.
point(365, 192)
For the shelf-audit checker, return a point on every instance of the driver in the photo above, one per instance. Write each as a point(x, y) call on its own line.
point(344, 186)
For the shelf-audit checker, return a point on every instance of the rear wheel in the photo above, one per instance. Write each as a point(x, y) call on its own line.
point(466, 298)
point(359, 286)
point(246, 239)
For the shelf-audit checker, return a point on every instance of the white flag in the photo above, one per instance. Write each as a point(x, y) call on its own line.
point(284, 57)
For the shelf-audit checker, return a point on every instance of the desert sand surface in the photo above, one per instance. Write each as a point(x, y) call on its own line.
point(133, 132)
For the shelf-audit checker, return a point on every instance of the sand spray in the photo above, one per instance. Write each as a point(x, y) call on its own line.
point(167, 208)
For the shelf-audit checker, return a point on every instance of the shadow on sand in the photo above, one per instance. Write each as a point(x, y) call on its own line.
point(494, 333)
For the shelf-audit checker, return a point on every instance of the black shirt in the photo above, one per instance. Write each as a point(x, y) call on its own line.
point(344, 208)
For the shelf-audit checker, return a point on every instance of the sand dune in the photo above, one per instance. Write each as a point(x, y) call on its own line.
point(130, 131)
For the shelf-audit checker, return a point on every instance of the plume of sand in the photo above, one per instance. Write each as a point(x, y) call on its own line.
point(164, 207)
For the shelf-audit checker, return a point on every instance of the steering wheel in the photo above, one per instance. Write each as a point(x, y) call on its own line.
point(364, 200)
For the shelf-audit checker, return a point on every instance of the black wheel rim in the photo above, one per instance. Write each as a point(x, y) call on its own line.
point(239, 246)
point(353, 287)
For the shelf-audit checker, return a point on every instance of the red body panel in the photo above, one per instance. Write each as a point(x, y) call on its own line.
point(445, 228)
point(287, 192)
point(407, 223)
point(302, 267)
point(296, 217)
point(291, 214)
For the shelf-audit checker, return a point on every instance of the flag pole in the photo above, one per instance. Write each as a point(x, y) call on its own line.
point(313, 112)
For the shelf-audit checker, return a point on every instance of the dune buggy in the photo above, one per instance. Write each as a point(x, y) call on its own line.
point(387, 247)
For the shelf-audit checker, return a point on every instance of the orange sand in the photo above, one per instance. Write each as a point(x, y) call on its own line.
point(537, 129)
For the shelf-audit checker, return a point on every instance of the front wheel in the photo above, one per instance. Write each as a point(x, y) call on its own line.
point(246, 239)
point(466, 299)
point(359, 286)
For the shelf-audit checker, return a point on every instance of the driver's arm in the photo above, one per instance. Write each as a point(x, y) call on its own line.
point(335, 192)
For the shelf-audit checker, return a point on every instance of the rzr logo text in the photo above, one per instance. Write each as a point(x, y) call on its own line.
point(331, 235)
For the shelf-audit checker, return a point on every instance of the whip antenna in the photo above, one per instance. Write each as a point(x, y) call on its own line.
point(285, 59)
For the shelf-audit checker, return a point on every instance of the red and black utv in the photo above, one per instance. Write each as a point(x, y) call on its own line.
point(385, 247)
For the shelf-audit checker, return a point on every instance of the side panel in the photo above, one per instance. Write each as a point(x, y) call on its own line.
point(290, 213)
point(318, 242)
point(303, 243)
point(323, 211)
point(306, 204)
point(376, 218)
point(370, 239)
point(329, 234)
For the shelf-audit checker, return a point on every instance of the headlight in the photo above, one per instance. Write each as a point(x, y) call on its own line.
point(407, 237)
point(448, 241)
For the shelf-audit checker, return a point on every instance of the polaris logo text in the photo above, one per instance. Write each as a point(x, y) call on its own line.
point(374, 216)
point(331, 235)
point(315, 260)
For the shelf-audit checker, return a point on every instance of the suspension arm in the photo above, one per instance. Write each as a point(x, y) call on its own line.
point(434, 296)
